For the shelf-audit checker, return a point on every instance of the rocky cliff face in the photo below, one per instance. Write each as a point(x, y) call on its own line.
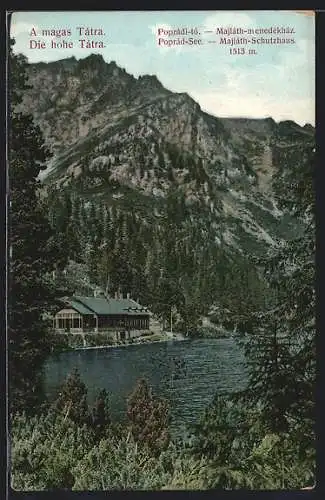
point(116, 137)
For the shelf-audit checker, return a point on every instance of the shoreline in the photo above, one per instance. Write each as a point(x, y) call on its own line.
point(110, 346)
point(137, 341)
point(128, 345)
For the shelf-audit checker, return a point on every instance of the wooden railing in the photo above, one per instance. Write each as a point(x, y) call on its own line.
point(113, 329)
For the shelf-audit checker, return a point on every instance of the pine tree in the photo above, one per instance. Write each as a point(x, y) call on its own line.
point(100, 414)
point(33, 252)
point(72, 399)
point(148, 418)
point(283, 356)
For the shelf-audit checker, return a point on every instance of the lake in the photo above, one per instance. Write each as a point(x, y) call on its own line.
point(188, 373)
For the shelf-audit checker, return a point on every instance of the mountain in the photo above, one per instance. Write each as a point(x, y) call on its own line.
point(152, 192)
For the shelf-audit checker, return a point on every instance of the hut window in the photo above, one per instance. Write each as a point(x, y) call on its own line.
point(68, 320)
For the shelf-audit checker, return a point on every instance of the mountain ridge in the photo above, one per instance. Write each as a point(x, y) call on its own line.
point(133, 149)
point(151, 77)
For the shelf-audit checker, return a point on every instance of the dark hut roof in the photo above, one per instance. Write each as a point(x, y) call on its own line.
point(79, 307)
point(103, 306)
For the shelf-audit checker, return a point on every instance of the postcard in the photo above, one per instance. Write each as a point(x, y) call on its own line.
point(161, 233)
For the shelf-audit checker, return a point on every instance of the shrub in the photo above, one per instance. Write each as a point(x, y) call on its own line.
point(243, 454)
point(98, 339)
point(75, 340)
point(44, 450)
point(58, 342)
point(188, 473)
point(119, 465)
point(149, 418)
point(231, 448)
point(100, 418)
point(72, 399)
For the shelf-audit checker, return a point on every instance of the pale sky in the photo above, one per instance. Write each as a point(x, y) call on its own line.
point(279, 81)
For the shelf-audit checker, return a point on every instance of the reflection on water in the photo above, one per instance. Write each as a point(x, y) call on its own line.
point(187, 373)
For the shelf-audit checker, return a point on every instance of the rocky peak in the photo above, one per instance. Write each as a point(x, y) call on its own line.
point(248, 126)
point(93, 61)
point(309, 128)
point(289, 130)
point(149, 80)
point(149, 85)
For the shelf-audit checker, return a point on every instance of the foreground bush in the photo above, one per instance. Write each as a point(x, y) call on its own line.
point(149, 418)
point(244, 454)
point(51, 452)
point(119, 464)
point(45, 449)
point(72, 446)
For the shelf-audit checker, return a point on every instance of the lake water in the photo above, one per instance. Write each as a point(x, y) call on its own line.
point(188, 373)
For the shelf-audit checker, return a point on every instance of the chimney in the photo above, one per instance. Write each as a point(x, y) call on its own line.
point(98, 292)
